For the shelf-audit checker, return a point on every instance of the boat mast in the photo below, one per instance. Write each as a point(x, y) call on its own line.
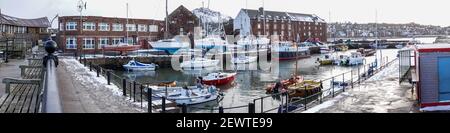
point(166, 33)
point(126, 26)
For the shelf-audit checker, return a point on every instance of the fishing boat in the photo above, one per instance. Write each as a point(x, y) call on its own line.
point(218, 78)
point(326, 60)
point(199, 63)
point(244, 59)
point(170, 46)
point(187, 95)
point(367, 52)
point(355, 58)
point(286, 51)
point(282, 86)
point(138, 66)
point(304, 89)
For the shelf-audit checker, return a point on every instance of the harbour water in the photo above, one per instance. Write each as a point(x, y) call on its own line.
point(251, 84)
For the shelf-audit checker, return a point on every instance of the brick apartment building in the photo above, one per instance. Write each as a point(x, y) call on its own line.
point(288, 26)
point(98, 31)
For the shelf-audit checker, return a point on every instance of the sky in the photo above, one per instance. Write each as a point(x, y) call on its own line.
point(429, 12)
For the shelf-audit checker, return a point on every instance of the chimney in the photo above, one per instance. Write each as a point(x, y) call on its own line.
point(261, 10)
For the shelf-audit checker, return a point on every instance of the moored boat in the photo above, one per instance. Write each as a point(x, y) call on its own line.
point(326, 60)
point(170, 46)
point(199, 63)
point(367, 52)
point(123, 47)
point(187, 95)
point(218, 78)
point(286, 51)
point(305, 88)
point(355, 58)
point(244, 59)
point(138, 66)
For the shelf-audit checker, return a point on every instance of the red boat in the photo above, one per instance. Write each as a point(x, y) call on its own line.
point(218, 78)
point(121, 48)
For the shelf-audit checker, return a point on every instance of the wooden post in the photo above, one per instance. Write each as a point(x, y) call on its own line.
point(184, 108)
point(251, 108)
point(220, 109)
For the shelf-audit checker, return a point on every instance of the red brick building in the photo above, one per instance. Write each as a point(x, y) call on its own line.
point(182, 21)
point(98, 31)
point(288, 26)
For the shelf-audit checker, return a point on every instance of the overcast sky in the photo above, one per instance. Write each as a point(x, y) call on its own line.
point(435, 12)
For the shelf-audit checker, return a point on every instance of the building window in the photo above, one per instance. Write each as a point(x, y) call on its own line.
point(103, 41)
point(117, 27)
point(282, 26)
point(275, 33)
point(153, 28)
point(117, 41)
point(103, 27)
point(88, 43)
point(274, 26)
point(142, 28)
point(88, 26)
point(289, 27)
point(259, 26)
point(71, 26)
point(71, 43)
point(131, 27)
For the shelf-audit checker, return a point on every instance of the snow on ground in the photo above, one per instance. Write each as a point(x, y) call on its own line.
point(108, 98)
point(382, 93)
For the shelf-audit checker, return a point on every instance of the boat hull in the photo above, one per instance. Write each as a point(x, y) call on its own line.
point(219, 82)
point(291, 55)
point(244, 61)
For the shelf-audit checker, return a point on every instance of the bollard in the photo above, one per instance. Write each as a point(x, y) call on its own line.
point(90, 66)
point(98, 71)
point(108, 77)
point(149, 100)
point(262, 105)
point(184, 108)
point(220, 109)
point(251, 108)
point(124, 87)
point(163, 105)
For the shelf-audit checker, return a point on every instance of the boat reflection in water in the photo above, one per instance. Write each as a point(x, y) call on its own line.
point(134, 75)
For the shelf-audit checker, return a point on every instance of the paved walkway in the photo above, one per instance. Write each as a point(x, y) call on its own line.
point(10, 70)
point(83, 92)
point(380, 94)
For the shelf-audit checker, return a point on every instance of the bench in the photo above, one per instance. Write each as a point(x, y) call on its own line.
point(24, 95)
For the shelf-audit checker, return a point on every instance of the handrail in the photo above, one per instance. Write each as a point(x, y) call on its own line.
point(51, 102)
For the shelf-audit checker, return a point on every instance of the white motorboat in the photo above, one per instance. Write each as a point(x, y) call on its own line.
point(244, 59)
point(355, 58)
point(170, 46)
point(138, 66)
point(199, 63)
point(187, 95)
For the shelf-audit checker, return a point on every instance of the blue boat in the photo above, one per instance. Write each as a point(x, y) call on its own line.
point(170, 46)
point(137, 66)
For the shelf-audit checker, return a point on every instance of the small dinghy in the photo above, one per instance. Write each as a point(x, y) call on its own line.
point(188, 95)
point(138, 66)
point(218, 78)
point(244, 59)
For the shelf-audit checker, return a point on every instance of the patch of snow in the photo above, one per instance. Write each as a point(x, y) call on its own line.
point(210, 16)
point(326, 104)
point(87, 77)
